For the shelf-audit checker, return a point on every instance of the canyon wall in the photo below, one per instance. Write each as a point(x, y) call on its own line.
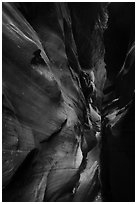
point(63, 115)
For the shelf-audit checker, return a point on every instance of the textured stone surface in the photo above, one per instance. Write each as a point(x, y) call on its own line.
point(59, 139)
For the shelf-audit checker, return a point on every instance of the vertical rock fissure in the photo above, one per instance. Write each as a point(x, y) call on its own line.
point(64, 113)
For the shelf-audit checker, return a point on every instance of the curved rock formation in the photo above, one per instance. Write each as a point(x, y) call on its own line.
point(62, 114)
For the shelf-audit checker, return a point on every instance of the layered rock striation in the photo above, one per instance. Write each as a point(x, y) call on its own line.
point(62, 115)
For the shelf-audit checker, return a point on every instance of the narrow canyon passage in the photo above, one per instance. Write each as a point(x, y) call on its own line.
point(68, 102)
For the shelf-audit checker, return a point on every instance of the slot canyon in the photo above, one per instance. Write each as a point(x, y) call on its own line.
point(68, 102)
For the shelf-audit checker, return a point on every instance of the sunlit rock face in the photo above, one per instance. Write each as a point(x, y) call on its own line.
point(62, 114)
